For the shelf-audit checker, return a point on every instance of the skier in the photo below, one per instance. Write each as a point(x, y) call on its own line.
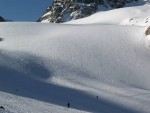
point(97, 97)
point(1, 39)
point(68, 105)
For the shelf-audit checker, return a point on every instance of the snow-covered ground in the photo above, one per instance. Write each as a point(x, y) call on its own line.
point(138, 15)
point(47, 65)
point(96, 67)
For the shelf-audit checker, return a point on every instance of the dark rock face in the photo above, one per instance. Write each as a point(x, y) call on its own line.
point(2, 19)
point(1, 107)
point(65, 10)
point(147, 32)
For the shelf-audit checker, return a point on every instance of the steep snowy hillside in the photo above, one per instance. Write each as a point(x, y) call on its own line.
point(96, 68)
point(139, 15)
point(65, 10)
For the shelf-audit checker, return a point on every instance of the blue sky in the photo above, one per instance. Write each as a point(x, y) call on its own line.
point(23, 10)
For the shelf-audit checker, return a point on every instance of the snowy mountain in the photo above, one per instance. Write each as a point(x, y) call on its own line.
point(65, 10)
point(97, 64)
point(45, 66)
point(139, 15)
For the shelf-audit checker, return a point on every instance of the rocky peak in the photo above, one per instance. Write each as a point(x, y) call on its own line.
point(65, 10)
point(2, 19)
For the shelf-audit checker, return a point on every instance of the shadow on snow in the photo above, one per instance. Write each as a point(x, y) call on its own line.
point(12, 80)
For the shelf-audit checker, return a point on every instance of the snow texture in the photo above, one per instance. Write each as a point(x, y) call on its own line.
point(95, 67)
point(138, 15)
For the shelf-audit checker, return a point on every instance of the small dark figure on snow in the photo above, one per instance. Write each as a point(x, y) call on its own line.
point(97, 97)
point(1, 39)
point(1, 107)
point(68, 105)
point(16, 90)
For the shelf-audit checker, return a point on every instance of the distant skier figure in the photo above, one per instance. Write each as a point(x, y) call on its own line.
point(16, 90)
point(1, 39)
point(68, 105)
point(1, 107)
point(97, 97)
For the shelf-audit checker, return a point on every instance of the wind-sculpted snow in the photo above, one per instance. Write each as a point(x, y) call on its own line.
point(45, 66)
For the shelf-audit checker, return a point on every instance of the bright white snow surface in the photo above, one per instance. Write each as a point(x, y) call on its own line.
point(138, 15)
point(45, 66)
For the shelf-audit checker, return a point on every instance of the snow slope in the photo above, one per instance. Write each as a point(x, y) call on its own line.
point(45, 66)
point(138, 15)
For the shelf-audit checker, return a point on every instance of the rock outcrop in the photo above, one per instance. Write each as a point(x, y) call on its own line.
point(147, 32)
point(2, 19)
